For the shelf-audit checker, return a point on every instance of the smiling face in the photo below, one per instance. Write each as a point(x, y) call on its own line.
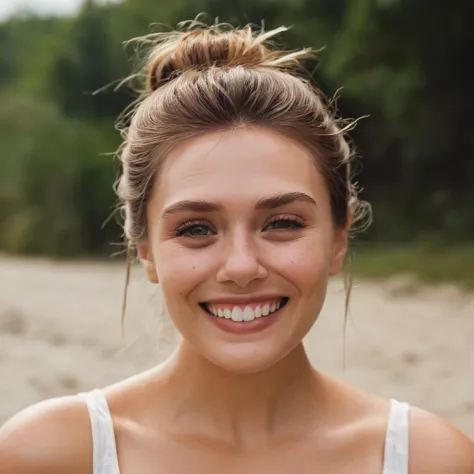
point(242, 241)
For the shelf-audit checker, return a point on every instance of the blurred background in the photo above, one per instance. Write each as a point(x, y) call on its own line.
point(405, 64)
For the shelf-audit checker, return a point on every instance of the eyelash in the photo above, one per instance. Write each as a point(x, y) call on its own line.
point(298, 223)
point(187, 226)
point(183, 228)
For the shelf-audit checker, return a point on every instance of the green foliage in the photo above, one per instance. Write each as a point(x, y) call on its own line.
point(428, 262)
point(55, 190)
point(400, 61)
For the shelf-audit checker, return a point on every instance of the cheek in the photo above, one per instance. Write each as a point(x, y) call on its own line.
point(180, 270)
point(305, 262)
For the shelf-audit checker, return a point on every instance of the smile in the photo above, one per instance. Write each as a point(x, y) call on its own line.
point(244, 312)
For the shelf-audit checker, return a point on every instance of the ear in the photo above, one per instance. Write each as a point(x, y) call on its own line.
point(340, 245)
point(146, 257)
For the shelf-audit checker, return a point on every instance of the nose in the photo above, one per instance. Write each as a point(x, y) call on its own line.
point(240, 262)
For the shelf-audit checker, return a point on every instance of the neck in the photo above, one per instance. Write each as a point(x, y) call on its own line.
point(241, 409)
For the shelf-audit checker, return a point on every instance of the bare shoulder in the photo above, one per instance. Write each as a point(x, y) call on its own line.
point(52, 437)
point(438, 447)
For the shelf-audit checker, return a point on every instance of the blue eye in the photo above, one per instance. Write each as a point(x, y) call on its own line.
point(194, 229)
point(285, 223)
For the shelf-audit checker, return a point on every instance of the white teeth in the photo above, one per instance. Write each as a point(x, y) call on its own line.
point(248, 314)
point(237, 314)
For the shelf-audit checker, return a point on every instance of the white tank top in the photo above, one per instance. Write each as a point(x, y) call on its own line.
point(105, 452)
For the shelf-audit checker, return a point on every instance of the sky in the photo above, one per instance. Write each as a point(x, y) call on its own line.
point(42, 7)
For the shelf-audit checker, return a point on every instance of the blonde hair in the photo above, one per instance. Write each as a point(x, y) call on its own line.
point(203, 78)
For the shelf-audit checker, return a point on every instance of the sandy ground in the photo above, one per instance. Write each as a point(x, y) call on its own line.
point(60, 333)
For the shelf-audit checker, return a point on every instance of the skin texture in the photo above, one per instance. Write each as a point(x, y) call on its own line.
point(243, 253)
point(227, 402)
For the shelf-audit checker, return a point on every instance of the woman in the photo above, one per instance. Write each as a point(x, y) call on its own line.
point(237, 195)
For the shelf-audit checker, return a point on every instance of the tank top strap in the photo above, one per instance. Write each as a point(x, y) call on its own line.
point(103, 437)
point(397, 439)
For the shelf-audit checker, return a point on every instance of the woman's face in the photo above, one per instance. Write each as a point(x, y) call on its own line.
point(242, 241)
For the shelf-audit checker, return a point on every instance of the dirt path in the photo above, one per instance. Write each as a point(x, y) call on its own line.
point(60, 333)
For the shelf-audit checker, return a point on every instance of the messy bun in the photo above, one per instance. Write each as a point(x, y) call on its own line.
point(203, 47)
point(201, 78)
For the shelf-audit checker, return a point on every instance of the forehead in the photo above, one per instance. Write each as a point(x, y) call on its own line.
point(236, 163)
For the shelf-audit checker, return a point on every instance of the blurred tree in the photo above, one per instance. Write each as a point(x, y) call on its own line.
point(84, 66)
point(55, 191)
point(7, 56)
point(414, 81)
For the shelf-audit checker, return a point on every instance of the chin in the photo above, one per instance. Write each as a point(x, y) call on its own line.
point(245, 358)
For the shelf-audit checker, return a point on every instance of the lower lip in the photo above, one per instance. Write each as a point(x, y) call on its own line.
point(244, 327)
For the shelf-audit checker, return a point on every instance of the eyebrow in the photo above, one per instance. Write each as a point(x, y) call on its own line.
point(271, 202)
point(279, 200)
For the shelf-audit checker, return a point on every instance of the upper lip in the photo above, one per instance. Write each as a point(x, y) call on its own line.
point(243, 299)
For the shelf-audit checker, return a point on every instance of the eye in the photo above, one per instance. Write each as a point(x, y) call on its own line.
point(285, 223)
point(194, 229)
